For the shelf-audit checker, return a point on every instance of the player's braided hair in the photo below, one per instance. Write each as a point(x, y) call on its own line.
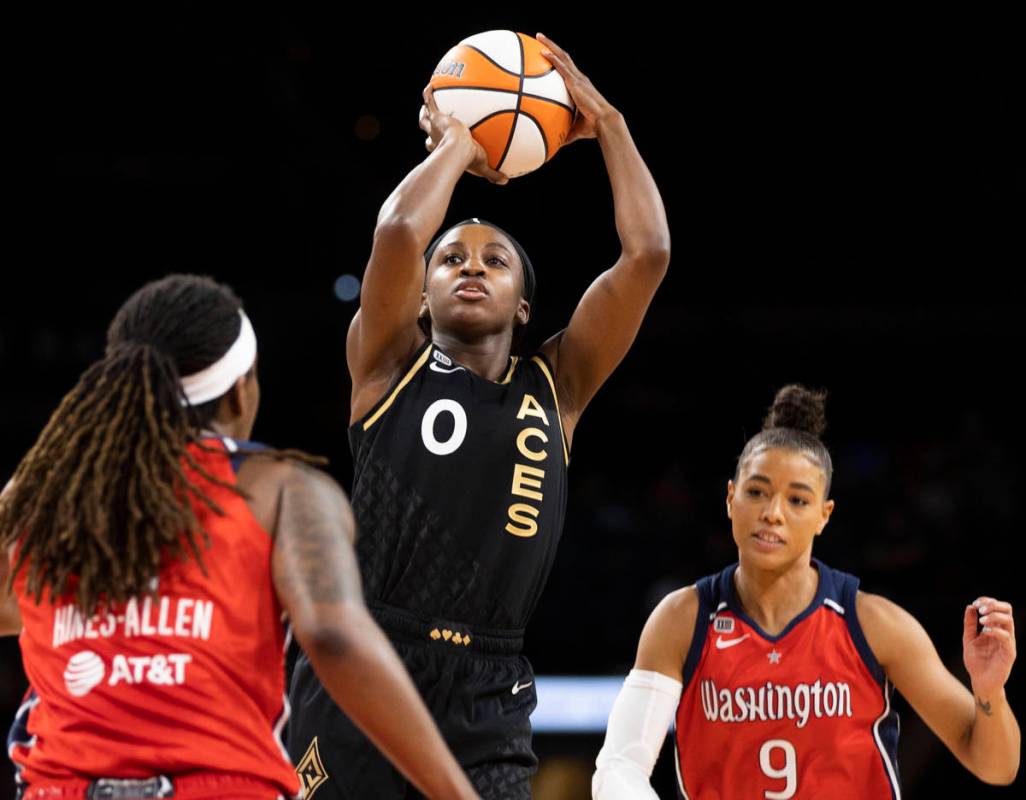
point(795, 421)
point(102, 496)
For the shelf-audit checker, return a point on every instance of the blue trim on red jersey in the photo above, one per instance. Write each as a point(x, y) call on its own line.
point(829, 587)
point(18, 735)
point(851, 589)
point(238, 448)
point(706, 606)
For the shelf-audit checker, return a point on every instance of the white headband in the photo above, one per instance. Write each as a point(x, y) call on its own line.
point(218, 378)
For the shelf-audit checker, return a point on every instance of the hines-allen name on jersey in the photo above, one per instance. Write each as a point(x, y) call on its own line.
point(771, 702)
point(166, 616)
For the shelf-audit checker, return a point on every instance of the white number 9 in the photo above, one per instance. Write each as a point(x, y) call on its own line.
point(788, 772)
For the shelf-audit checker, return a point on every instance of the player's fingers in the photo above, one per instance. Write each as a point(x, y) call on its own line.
point(424, 120)
point(1004, 637)
point(988, 604)
point(551, 45)
point(969, 623)
point(429, 143)
point(429, 99)
point(998, 619)
point(559, 64)
point(565, 57)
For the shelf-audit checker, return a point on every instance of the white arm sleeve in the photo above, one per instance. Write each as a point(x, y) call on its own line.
point(637, 728)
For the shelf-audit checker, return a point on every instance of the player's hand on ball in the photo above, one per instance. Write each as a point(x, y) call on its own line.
point(437, 124)
point(591, 106)
point(989, 653)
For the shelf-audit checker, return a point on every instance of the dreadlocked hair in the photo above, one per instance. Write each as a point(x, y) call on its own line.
point(795, 421)
point(102, 498)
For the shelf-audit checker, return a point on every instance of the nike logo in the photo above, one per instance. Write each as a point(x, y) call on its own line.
point(518, 686)
point(723, 644)
point(437, 368)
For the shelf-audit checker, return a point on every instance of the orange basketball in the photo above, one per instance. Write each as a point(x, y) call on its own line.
point(509, 95)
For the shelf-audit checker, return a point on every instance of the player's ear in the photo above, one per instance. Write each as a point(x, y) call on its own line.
point(730, 498)
point(828, 509)
point(523, 312)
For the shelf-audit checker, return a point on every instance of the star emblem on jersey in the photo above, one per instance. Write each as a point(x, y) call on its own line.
point(311, 770)
point(723, 644)
point(773, 656)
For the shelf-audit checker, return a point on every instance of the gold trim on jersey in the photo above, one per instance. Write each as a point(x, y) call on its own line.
point(509, 372)
point(552, 385)
point(395, 392)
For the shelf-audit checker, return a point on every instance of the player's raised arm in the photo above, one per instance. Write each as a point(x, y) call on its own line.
point(609, 314)
point(384, 331)
point(318, 584)
point(978, 727)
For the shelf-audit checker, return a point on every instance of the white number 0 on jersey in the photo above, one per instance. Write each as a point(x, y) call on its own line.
point(459, 431)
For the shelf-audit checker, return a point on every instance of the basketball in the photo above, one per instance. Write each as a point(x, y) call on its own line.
point(509, 95)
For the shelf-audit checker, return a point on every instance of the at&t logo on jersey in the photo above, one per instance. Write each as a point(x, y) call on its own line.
point(86, 670)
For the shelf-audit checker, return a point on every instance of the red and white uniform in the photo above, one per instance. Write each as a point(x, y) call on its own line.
point(188, 681)
point(804, 714)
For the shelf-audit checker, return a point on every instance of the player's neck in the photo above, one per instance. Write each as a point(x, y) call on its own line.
point(487, 356)
point(774, 598)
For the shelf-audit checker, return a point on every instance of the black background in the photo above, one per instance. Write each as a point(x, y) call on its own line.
point(846, 199)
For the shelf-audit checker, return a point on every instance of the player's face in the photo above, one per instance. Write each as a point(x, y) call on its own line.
point(777, 508)
point(475, 282)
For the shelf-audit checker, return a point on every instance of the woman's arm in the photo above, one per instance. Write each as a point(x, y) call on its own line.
point(384, 331)
point(318, 583)
point(978, 727)
point(608, 317)
point(10, 616)
point(646, 704)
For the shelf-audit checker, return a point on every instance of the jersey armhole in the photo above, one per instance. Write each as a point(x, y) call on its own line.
point(550, 375)
point(850, 593)
point(706, 610)
point(417, 360)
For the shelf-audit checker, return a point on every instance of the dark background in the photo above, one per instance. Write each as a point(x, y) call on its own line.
point(846, 198)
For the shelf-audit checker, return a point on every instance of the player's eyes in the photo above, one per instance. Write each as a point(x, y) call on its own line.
point(449, 258)
point(799, 501)
point(754, 492)
point(496, 260)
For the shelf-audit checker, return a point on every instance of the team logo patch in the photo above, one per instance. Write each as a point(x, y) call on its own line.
point(311, 770)
point(442, 357)
point(84, 672)
point(723, 624)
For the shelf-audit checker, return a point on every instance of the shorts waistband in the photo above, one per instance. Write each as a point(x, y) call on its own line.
point(453, 635)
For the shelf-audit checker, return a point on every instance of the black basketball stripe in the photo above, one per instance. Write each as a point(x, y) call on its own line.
point(496, 63)
point(544, 99)
point(479, 89)
point(516, 111)
point(541, 130)
point(570, 109)
point(489, 116)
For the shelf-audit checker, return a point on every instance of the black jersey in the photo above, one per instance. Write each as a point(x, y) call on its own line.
point(459, 490)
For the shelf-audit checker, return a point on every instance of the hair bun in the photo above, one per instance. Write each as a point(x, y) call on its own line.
point(799, 408)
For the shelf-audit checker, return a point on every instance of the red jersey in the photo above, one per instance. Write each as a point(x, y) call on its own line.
point(804, 714)
point(190, 680)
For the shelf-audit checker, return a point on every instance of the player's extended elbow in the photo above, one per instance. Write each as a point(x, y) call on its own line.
point(323, 640)
point(652, 256)
point(1000, 777)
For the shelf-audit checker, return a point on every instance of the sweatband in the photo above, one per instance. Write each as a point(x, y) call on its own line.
point(213, 381)
point(637, 729)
